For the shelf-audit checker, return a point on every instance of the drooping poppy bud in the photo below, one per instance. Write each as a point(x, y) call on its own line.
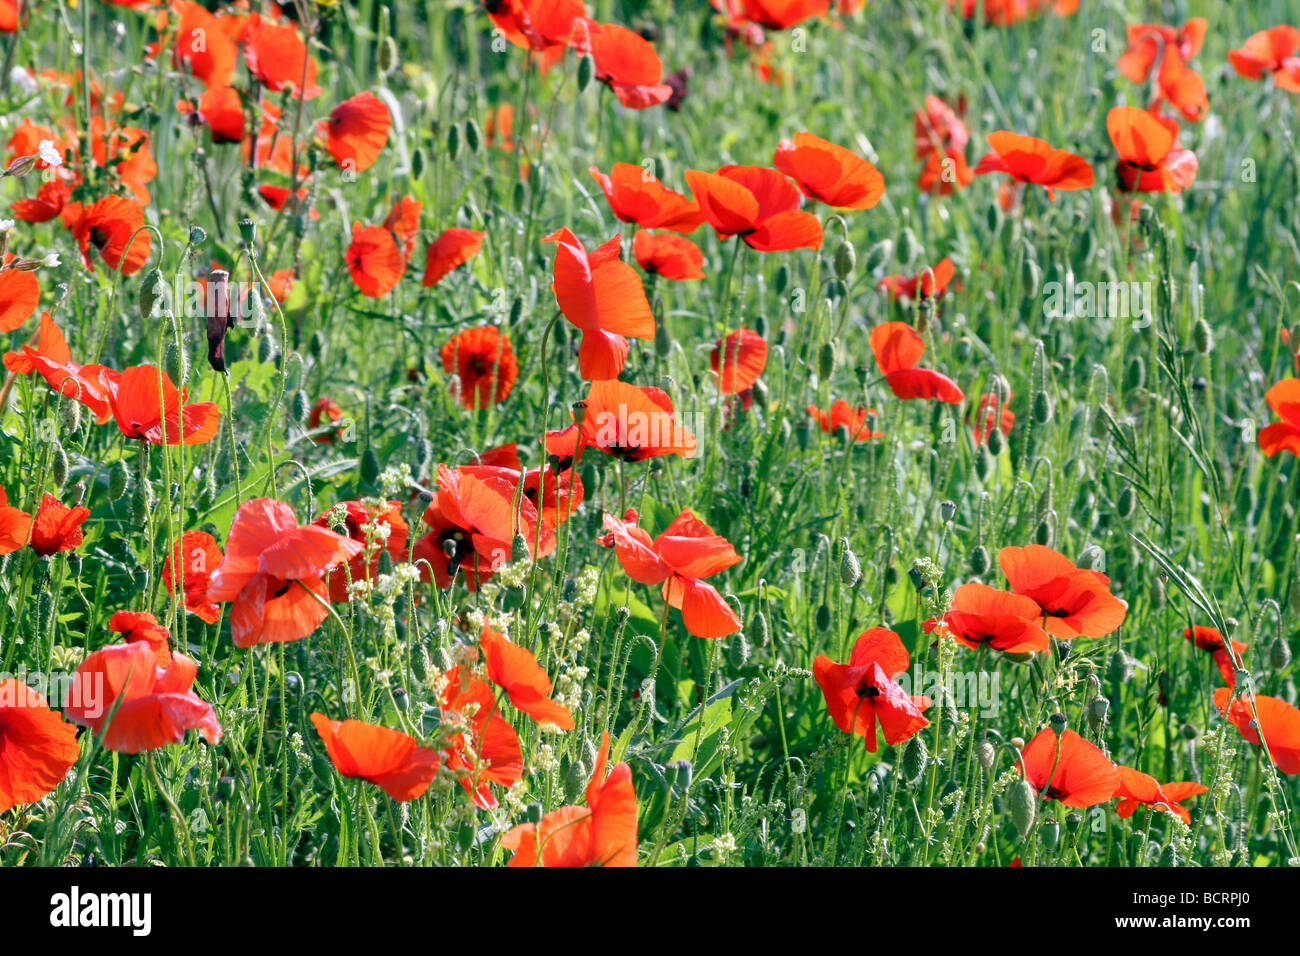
point(219, 318)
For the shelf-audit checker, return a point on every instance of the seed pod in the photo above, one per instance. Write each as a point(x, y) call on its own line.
point(70, 416)
point(1169, 856)
point(912, 764)
point(1119, 668)
point(301, 405)
point(118, 477)
point(1050, 834)
point(1097, 713)
point(1032, 274)
point(850, 567)
point(1044, 532)
point(1058, 723)
point(996, 442)
point(387, 56)
point(575, 780)
point(979, 560)
point(1023, 804)
point(519, 548)
point(947, 511)
point(1158, 592)
point(316, 345)
point(1203, 337)
point(153, 294)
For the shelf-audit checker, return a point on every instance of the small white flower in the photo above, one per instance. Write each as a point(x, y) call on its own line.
point(6, 225)
point(51, 260)
point(49, 154)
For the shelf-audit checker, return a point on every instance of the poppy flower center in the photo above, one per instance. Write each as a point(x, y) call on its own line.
point(867, 691)
point(99, 235)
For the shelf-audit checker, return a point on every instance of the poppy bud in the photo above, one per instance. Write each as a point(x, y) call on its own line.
point(846, 258)
point(996, 442)
point(761, 395)
point(387, 56)
point(248, 230)
point(417, 162)
point(1189, 732)
point(850, 568)
point(118, 476)
point(142, 502)
point(266, 349)
point(738, 651)
point(909, 247)
point(586, 70)
point(826, 361)
point(1169, 855)
point(70, 413)
point(1042, 408)
point(914, 759)
point(1127, 503)
point(175, 363)
point(1158, 592)
point(679, 774)
point(1203, 337)
point(985, 753)
point(453, 141)
point(1247, 499)
point(472, 135)
point(780, 280)
point(518, 195)
point(519, 548)
point(1279, 654)
point(803, 434)
point(59, 465)
point(1092, 558)
point(663, 341)
point(1032, 274)
point(879, 254)
point(979, 560)
point(1023, 804)
point(1119, 669)
point(575, 780)
point(823, 618)
point(1135, 375)
point(1097, 712)
point(369, 469)
point(1044, 533)
point(153, 290)
point(301, 405)
point(762, 629)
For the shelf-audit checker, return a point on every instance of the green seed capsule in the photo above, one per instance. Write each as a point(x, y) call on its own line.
point(575, 780)
point(1043, 534)
point(997, 442)
point(1097, 712)
point(1127, 503)
point(70, 415)
point(387, 56)
point(850, 567)
point(1023, 804)
point(142, 502)
point(979, 560)
point(1135, 375)
point(781, 280)
point(518, 548)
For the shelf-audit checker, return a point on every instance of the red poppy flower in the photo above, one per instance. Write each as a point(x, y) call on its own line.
point(57, 527)
point(1147, 40)
point(404, 222)
point(604, 298)
point(1075, 602)
point(52, 359)
point(981, 616)
point(632, 423)
point(15, 526)
point(202, 47)
point(756, 203)
point(1031, 160)
point(146, 403)
point(37, 748)
point(1209, 639)
point(156, 706)
point(277, 196)
point(625, 61)
point(898, 347)
point(109, 225)
point(939, 127)
point(684, 553)
point(1137, 788)
point(1150, 159)
point(1181, 86)
point(142, 627)
point(538, 25)
point(829, 173)
point(388, 532)
point(865, 691)
point(482, 365)
point(453, 248)
point(783, 14)
point(278, 57)
point(1270, 51)
point(944, 172)
point(473, 524)
point(194, 557)
point(374, 261)
point(515, 670)
point(928, 283)
point(673, 257)
point(221, 110)
point(746, 357)
point(987, 418)
point(20, 292)
point(1084, 776)
point(1279, 721)
point(635, 195)
point(11, 15)
point(1284, 399)
point(390, 759)
point(601, 834)
point(560, 496)
point(852, 420)
point(50, 201)
point(489, 751)
point(273, 573)
point(357, 130)
point(325, 408)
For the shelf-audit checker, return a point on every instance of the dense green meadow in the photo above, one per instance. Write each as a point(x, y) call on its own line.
point(1132, 334)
